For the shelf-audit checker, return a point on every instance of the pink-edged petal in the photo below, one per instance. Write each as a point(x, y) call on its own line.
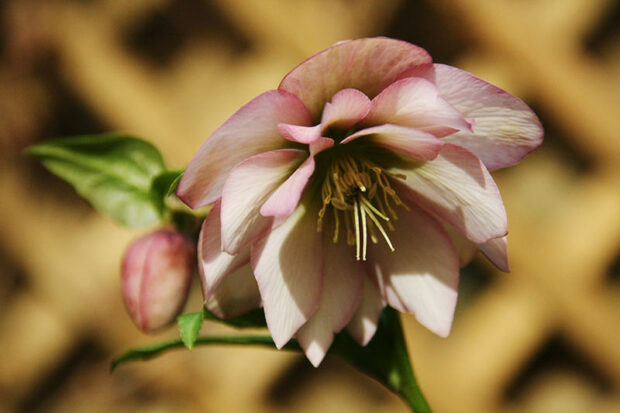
point(285, 199)
point(342, 291)
point(423, 270)
point(251, 130)
point(288, 266)
point(235, 295)
point(412, 142)
point(248, 186)
point(213, 263)
point(457, 188)
point(496, 250)
point(465, 248)
point(415, 102)
point(321, 145)
point(505, 128)
point(363, 325)
point(425, 71)
point(347, 107)
point(301, 134)
point(368, 65)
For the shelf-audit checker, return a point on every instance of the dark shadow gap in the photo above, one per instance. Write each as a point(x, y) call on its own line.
point(556, 355)
point(474, 280)
point(85, 351)
point(559, 141)
point(428, 25)
point(160, 35)
point(603, 39)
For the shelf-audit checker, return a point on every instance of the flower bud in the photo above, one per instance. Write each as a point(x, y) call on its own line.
point(155, 278)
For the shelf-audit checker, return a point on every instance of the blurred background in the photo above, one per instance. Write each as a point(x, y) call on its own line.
point(544, 338)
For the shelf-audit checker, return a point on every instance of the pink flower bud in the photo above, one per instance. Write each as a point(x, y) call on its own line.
point(155, 277)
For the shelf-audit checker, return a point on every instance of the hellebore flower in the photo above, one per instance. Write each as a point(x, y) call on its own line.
point(358, 183)
point(155, 278)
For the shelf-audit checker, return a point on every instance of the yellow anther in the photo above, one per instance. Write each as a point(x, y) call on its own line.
point(362, 191)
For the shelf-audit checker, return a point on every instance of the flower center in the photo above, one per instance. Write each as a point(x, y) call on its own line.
point(360, 195)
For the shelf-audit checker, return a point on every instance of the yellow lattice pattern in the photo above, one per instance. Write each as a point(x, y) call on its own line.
point(564, 219)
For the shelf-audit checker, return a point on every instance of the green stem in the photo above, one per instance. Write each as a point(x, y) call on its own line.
point(405, 383)
point(385, 358)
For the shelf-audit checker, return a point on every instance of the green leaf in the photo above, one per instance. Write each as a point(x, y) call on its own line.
point(148, 352)
point(189, 327)
point(162, 187)
point(385, 358)
point(253, 319)
point(113, 172)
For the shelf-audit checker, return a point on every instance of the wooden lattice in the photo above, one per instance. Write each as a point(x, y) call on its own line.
point(545, 337)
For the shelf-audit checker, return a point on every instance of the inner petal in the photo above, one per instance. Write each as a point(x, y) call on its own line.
point(346, 108)
point(415, 102)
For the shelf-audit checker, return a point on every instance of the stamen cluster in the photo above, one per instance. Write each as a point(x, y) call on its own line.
point(360, 192)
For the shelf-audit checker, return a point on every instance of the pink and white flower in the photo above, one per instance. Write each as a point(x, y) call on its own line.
point(360, 182)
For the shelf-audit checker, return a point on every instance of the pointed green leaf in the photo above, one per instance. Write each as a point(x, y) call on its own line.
point(164, 185)
point(113, 172)
point(189, 327)
point(385, 358)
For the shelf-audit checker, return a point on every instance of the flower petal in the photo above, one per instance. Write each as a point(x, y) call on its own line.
point(235, 295)
point(248, 186)
point(423, 270)
point(457, 188)
point(251, 130)
point(368, 65)
point(288, 266)
point(505, 128)
point(465, 248)
point(341, 295)
point(285, 199)
point(496, 251)
point(347, 107)
point(412, 142)
point(301, 134)
point(364, 323)
point(415, 102)
point(320, 145)
point(214, 264)
point(425, 71)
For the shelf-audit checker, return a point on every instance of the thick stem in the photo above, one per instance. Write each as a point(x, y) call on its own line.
point(386, 359)
point(404, 383)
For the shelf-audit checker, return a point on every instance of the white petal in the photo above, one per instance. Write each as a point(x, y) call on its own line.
point(251, 130)
point(346, 108)
point(364, 323)
point(465, 248)
point(415, 102)
point(235, 295)
point(496, 250)
point(505, 128)
point(423, 270)
point(301, 134)
point(247, 188)
point(284, 200)
point(341, 295)
point(457, 188)
point(214, 264)
point(412, 142)
point(288, 265)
